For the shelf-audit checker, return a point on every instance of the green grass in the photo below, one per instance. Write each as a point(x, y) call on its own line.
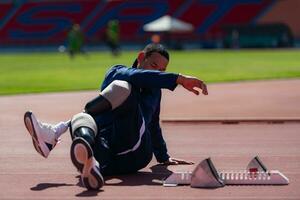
point(48, 72)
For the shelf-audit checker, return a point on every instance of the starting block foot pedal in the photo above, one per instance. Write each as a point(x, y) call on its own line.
point(205, 175)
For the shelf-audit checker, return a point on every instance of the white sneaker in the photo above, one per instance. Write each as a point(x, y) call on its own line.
point(83, 159)
point(43, 135)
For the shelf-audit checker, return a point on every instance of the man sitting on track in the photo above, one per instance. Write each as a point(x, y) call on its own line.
point(119, 130)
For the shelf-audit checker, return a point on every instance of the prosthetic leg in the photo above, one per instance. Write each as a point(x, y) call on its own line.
point(84, 131)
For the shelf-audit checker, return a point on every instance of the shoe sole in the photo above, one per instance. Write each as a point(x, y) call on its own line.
point(83, 159)
point(35, 139)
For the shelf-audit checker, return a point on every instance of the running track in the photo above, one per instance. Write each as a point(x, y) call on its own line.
point(26, 175)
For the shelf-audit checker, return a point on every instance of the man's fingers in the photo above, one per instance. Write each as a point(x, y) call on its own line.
point(175, 161)
point(196, 92)
point(183, 162)
point(202, 86)
point(172, 163)
point(204, 89)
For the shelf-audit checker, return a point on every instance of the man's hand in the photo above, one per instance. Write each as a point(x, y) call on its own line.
point(175, 161)
point(190, 83)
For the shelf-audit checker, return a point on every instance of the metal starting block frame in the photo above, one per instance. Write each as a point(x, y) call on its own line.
point(205, 175)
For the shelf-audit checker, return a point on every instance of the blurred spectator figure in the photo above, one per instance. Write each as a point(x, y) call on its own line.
point(155, 38)
point(75, 40)
point(112, 36)
point(235, 38)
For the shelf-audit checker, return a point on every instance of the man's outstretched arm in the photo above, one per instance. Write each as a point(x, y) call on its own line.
point(156, 79)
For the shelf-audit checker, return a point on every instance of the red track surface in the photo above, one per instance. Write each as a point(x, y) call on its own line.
point(26, 175)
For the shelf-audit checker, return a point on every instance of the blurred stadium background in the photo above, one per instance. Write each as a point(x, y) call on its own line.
point(42, 26)
point(271, 23)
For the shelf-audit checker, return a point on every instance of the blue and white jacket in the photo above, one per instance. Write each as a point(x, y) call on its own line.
point(148, 84)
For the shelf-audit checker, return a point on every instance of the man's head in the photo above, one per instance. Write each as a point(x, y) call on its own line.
point(153, 57)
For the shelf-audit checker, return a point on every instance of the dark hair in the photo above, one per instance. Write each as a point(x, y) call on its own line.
point(151, 48)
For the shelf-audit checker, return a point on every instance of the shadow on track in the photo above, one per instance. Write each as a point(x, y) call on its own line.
point(44, 186)
point(155, 177)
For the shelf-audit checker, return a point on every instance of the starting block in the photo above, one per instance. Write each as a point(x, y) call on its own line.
point(205, 175)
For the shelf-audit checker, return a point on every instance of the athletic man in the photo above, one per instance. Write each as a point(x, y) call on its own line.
point(119, 130)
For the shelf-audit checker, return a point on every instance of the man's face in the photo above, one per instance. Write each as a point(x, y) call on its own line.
point(154, 62)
